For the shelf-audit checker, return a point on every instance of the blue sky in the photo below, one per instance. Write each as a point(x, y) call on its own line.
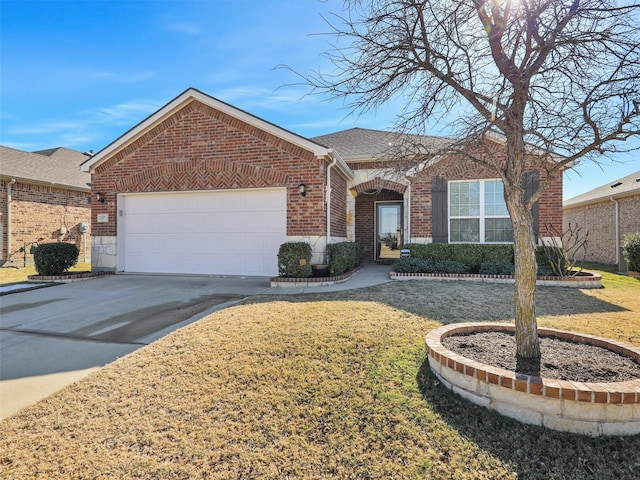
point(80, 73)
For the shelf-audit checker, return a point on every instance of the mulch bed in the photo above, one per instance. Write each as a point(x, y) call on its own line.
point(561, 360)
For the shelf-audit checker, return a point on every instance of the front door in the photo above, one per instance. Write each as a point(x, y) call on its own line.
point(388, 229)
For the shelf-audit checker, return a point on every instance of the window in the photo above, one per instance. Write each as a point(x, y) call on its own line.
point(478, 213)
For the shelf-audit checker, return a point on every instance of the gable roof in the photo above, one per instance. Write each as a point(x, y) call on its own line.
point(362, 144)
point(623, 187)
point(60, 168)
point(190, 95)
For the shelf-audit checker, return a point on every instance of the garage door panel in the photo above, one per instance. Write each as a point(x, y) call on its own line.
point(224, 232)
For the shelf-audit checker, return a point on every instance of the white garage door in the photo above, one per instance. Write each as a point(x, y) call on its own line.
point(228, 232)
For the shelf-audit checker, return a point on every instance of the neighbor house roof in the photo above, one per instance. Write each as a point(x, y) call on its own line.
point(64, 153)
point(624, 187)
point(191, 95)
point(362, 144)
point(59, 167)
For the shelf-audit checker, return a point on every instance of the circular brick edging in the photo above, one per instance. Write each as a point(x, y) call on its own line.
point(587, 408)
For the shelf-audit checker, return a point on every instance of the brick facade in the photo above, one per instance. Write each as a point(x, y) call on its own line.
point(338, 206)
point(201, 148)
point(39, 212)
point(550, 204)
point(599, 220)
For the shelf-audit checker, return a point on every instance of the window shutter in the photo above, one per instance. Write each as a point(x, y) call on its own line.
point(439, 210)
point(530, 185)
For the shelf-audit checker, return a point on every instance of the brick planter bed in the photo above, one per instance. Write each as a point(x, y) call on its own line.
point(587, 408)
point(586, 280)
point(67, 277)
point(291, 282)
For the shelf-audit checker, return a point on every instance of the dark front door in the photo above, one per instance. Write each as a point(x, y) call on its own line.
point(388, 229)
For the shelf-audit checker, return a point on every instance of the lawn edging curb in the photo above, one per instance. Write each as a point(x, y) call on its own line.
point(67, 277)
point(594, 409)
point(593, 280)
point(293, 282)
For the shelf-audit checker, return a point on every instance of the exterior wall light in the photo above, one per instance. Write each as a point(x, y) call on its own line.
point(100, 197)
point(303, 189)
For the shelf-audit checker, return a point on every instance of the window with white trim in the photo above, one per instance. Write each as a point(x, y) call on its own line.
point(478, 213)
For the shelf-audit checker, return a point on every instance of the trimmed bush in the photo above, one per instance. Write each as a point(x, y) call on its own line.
point(294, 260)
point(55, 258)
point(343, 256)
point(497, 267)
point(411, 265)
point(420, 265)
point(631, 251)
point(471, 254)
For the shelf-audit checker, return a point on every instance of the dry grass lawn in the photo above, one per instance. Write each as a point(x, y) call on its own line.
point(317, 386)
point(18, 273)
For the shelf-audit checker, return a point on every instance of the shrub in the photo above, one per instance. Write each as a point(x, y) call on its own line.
point(294, 260)
point(411, 265)
point(631, 251)
point(471, 254)
point(55, 258)
point(420, 265)
point(551, 261)
point(497, 267)
point(343, 256)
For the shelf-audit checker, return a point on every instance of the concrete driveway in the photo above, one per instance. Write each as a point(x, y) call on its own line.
point(53, 336)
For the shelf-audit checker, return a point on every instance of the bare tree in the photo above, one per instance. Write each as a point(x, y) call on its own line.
point(559, 79)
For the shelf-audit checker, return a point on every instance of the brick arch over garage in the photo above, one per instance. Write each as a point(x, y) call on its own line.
point(379, 184)
point(201, 175)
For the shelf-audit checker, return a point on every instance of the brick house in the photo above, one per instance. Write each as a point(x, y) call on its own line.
point(608, 213)
point(203, 187)
point(44, 197)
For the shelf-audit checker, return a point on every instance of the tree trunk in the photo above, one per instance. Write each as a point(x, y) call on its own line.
point(528, 345)
point(524, 246)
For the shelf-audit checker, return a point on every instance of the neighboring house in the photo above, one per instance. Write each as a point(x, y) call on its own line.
point(203, 187)
point(607, 213)
point(44, 197)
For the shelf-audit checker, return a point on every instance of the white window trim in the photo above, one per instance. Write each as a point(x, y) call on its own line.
point(481, 217)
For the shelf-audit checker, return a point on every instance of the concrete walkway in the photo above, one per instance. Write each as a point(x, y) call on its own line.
point(54, 336)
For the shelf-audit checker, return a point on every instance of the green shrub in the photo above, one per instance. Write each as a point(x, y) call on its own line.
point(343, 256)
point(631, 251)
point(471, 254)
point(429, 265)
point(294, 260)
point(551, 261)
point(411, 265)
point(497, 267)
point(55, 258)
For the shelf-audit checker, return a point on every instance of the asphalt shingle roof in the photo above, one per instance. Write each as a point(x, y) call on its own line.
point(628, 185)
point(362, 143)
point(57, 166)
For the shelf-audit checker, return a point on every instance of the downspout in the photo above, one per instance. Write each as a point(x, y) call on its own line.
point(617, 220)
point(9, 202)
point(406, 237)
point(328, 201)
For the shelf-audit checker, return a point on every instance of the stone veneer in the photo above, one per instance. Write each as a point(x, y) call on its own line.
point(587, 408)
